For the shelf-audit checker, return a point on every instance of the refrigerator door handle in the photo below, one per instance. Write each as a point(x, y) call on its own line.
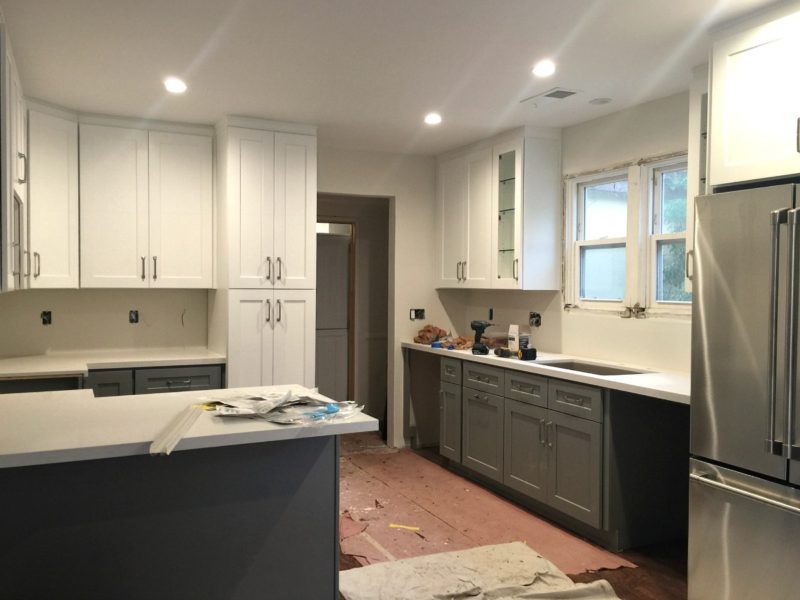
point(705, 479)
point(791, 326)
point(771, 444)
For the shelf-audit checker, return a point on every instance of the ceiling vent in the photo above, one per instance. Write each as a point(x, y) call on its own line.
point(550, 96)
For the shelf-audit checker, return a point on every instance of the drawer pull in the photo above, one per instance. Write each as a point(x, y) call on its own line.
point(525, 389)
point(170, 382)
point(574, 400)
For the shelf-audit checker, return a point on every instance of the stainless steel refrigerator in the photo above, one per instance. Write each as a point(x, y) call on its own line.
point(744, 501)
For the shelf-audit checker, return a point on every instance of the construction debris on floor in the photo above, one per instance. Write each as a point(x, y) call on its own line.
point(499, 572)
point(397, 505)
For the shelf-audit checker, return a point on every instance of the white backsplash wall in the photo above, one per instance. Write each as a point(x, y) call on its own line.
point(510, 307)
point(97, 319)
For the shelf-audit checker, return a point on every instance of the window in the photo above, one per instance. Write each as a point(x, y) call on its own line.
point(626, 239)
point(668, 235)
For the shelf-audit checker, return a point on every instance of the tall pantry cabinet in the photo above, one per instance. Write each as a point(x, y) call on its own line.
point(263, 312)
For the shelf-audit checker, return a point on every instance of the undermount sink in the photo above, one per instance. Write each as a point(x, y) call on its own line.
point(574, 365)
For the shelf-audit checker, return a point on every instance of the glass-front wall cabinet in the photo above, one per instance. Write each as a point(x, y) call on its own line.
point(507, 255)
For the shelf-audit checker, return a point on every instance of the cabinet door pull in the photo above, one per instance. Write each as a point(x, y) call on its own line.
point(464, 271)
point(37, 264)
point(280, 269)
point(269, 311)
point(143, 261)
point(280, 311)
point(458, 271)
point(515, 269)
point(541, 434)
point(549, 427)
point(155, 268)
point(24, 169)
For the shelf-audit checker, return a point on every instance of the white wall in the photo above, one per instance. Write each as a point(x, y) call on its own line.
point(410, 183)
point(647, 130)
point(97, 319)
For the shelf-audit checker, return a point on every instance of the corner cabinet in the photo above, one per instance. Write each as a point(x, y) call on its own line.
point(146, 208)
point(498, 215)
point(271, 337)
point(271, 208)
point(53, 200)
point(755, 104)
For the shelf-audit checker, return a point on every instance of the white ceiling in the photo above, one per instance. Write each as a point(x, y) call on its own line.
point(364, 71)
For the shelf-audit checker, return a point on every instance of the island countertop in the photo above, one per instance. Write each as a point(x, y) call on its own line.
point(65, 426)
point(664, 385)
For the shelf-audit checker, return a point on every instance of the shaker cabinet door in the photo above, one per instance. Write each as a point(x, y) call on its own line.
point(53, 201)
point(295, 237)
point(294, 319)
point(180, 210)
point(755, 104)
point(574, 467)
point(450, 421)
point(525, 449)
point(113, 207)
point(482, 433)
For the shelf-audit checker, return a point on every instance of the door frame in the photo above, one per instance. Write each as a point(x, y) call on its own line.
point(351, 297)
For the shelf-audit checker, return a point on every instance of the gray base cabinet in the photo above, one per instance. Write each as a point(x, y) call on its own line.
point(525, 450)
point(574, 467)
point(125, 382)
point(482, 433)
point(450, 421)
point(114, 382)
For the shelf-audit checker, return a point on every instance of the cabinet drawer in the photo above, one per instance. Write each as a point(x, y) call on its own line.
point(525, 387)
point(483, 378)
point(177, 379)
point(111, 382)
point(576, 399)
point(450, 369)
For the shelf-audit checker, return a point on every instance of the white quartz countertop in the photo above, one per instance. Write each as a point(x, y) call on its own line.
point(66, 364)
point(65, 426)
point(664, 385)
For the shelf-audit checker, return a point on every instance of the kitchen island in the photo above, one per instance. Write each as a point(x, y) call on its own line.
point(241, 509)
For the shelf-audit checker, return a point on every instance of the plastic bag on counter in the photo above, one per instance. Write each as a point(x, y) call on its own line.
point(285, 408)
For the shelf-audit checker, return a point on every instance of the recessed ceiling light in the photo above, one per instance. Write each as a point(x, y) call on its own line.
point(544, 68)
point(599, 100)
point(174, 85)
point(433, 118)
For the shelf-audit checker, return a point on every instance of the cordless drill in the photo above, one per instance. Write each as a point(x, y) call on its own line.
point(479, 327)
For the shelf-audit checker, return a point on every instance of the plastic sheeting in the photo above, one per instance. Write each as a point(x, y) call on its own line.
point(501, 572)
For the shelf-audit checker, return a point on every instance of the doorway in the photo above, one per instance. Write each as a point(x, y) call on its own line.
point(356, 227)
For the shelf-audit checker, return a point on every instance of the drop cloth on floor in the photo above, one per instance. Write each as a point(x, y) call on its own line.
point(500, 572)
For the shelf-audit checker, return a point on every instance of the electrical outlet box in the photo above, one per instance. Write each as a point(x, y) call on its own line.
point(416, 314)
point(47, 317)
point(133, 316)
point(534, 319)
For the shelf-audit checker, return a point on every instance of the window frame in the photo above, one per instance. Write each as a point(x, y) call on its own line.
point(574, 219)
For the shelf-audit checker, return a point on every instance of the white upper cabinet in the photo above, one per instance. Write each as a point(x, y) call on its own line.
point(755, 104)
point(270, 208)
point(180, 210)
point(146, 208)
point(114, 213)
point(295, 211)
point(498, 216)
point(464, 220)
point(53, 201)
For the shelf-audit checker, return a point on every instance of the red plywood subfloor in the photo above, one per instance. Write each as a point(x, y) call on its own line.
point(379, 489)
